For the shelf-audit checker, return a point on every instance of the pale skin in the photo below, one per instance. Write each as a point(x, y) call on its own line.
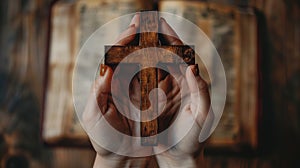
point(184, 153)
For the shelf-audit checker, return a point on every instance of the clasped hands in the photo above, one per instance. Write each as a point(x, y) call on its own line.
point(185, 82)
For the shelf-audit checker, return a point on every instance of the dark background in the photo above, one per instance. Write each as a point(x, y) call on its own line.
point(23, 57)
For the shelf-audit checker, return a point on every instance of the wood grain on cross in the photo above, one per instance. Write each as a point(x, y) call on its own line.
point(148, 38)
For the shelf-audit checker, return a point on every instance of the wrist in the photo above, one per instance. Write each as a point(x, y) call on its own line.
point(108, 161)
point(177, 158)
point(176, 161)
point(116, 161)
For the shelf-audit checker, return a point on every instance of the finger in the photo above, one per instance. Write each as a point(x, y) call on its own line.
point(161, 74)
point(103, 87)
point(135, 92)
point(169, 35)
point(135, 20)
point(174, 70)
point(200, 99)
point(168, 99)
point(129, 34)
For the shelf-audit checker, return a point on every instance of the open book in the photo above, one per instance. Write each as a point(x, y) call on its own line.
point(232, 30)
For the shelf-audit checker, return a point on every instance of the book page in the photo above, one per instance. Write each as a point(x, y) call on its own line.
point(72, 24)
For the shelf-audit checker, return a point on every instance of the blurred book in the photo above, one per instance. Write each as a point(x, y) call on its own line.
point(71, 24)
point(233, 31)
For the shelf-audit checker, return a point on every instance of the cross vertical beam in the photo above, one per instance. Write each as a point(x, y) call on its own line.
point(148, 38)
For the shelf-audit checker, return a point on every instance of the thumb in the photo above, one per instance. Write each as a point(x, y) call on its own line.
point(97, 101)
point(200, 99)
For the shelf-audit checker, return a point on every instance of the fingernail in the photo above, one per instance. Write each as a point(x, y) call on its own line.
point(131, 24)
point(162, 19)
point(195, 69)
point(103, 69)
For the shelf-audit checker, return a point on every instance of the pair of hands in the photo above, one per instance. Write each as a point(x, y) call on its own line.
point(186, 84)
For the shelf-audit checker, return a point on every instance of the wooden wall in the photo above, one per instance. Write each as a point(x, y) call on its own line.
point(24, 28)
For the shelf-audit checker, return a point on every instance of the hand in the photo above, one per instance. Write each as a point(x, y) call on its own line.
point(188, 147)
point(100, 108)
point(195, 94)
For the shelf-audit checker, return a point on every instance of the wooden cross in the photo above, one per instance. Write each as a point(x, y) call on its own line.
point(148, 37)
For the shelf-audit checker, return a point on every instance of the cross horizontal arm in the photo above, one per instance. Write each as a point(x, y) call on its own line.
point(115, 54)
